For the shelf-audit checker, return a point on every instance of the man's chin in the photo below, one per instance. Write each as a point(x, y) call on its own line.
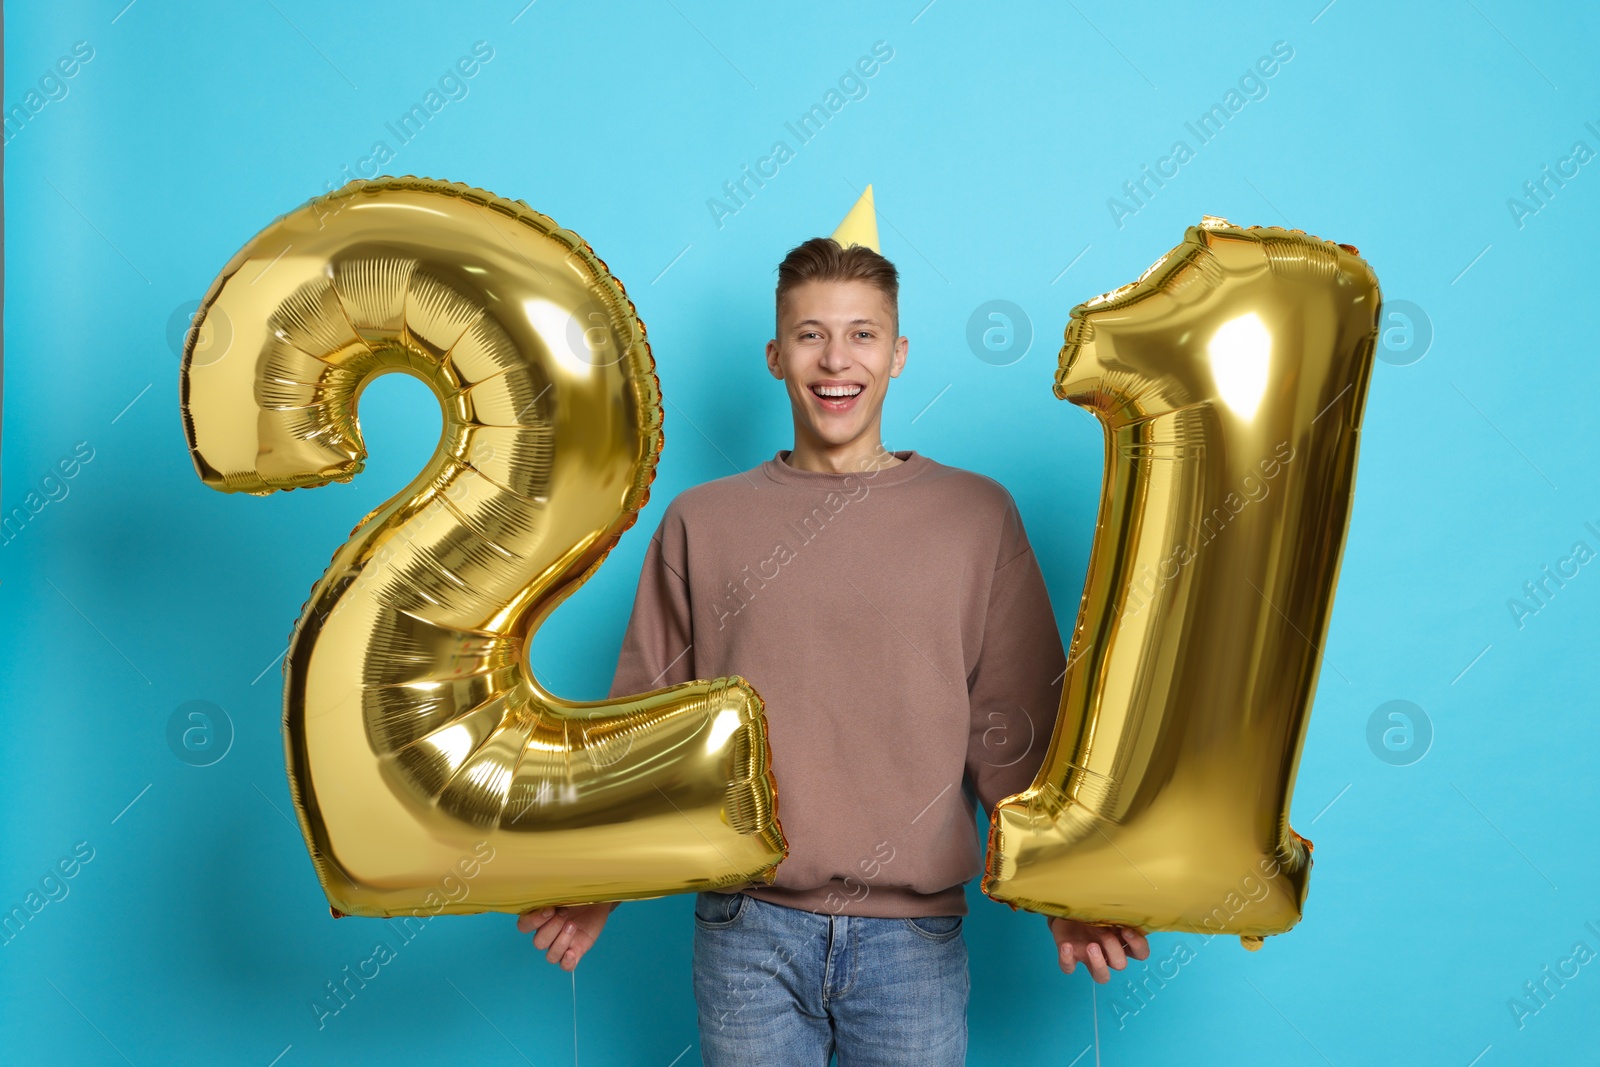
point(837, 435)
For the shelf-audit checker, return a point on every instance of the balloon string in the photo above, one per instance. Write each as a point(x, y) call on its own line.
point(574, 1018)
point(1094, 993)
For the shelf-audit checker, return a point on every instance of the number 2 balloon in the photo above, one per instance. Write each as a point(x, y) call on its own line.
point(416, 736)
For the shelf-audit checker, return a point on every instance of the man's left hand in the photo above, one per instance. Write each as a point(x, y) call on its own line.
point(1103, 948)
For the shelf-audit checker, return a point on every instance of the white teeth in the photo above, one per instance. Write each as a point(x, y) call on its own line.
point(836, 390)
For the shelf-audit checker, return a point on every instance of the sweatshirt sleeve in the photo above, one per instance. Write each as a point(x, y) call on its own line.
point(1015, 690)
point(657, 647)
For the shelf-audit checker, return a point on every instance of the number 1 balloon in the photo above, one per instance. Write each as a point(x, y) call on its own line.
point(416, 736)
point(1229, 381)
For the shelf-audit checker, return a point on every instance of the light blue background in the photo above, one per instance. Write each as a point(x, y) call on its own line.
point(198, 933)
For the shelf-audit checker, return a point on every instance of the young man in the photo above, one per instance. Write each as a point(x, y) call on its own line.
point(891, 613)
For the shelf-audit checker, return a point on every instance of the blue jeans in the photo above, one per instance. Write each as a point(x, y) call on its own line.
point(781, 986)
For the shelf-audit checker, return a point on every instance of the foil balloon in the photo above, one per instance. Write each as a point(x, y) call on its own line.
point(1229, 381)
point(429, 768)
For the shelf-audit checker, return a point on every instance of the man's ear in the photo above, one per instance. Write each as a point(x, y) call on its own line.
point(898, 363)
point(773, 365)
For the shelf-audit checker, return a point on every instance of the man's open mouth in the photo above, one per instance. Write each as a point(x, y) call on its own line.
point(838, 392)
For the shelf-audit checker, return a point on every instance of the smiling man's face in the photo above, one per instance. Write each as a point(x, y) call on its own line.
point(835, 351)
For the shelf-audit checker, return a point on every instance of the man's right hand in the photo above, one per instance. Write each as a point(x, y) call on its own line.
point(565, 932)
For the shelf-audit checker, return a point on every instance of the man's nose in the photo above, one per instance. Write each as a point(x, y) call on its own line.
point(836, 356)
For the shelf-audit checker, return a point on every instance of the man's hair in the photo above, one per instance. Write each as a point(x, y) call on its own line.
point(821, 259)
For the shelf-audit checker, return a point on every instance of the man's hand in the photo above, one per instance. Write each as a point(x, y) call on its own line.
point(1103, 948)
point(566, 932)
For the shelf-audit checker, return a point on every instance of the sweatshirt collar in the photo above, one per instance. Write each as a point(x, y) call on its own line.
point(912, 464)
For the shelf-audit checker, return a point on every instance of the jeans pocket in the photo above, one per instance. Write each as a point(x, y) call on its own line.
point(716, 911)
point(935, 927)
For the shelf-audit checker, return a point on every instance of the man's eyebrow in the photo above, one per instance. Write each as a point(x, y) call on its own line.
point(852, 322)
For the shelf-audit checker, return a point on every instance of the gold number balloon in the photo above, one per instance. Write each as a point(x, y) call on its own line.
point(1229, 381)
point(416, 736)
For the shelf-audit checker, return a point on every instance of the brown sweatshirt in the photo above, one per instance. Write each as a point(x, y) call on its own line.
point(897, 627)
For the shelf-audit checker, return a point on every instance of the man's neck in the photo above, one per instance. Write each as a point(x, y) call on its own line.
point(853, 458)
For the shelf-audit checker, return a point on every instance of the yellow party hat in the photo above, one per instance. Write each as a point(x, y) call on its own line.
point(860, 227)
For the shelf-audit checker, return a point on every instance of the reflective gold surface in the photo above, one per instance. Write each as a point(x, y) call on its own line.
point(1229, 381)
point(414, 732)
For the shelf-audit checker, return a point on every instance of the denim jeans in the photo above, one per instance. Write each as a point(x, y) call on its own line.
point(781, 986)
